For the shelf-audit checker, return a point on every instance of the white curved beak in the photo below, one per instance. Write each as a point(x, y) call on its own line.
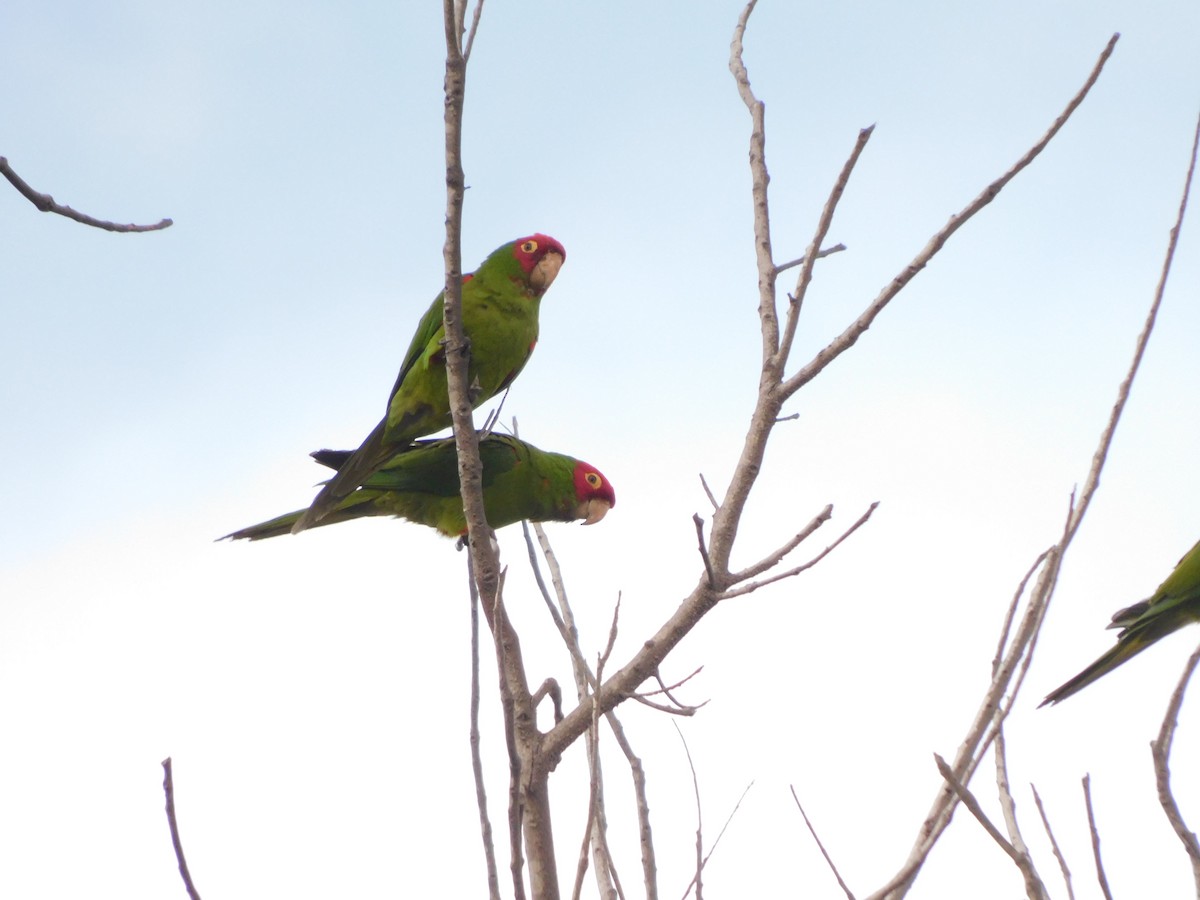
point(545, 271)
point(593, 511)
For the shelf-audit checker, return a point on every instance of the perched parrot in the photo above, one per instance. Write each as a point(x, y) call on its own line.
point(500, 317)
point(1175, 604)
point(421, 484)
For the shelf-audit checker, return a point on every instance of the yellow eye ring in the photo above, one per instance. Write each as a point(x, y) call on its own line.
point(593, 480)
point(529, 247)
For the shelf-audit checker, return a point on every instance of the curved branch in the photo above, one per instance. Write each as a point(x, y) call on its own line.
point(46, 203)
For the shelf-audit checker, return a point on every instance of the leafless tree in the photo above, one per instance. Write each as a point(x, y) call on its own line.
point(535, 753)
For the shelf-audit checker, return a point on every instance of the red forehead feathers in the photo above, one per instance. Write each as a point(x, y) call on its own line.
point(589, 484)
point(529, 251)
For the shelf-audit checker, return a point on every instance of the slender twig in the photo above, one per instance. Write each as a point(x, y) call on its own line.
point(804, 279)
point(1011, 612)
point(968, 800)
point(1160, 749)
point(697, 881)
point(772, 559)
point(471, 34)
point(708, 492)
point(46, 203)
point(783, 267)
point(485, 823)
point(848, 337)
point(665, 689)
point(699, 522)
point(1008, 805)
point(645, 835)
point(828, 859)
point(791, 573)
point(169, 791)
point(1101, 878)
point(593, 807)
point(608, 880)
point(707, 856)
point(1062, 861)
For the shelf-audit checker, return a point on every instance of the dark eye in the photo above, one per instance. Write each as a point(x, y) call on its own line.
point(592, 479)
point(529, 247)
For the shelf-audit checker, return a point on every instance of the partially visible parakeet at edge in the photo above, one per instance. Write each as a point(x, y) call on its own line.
point(1176, 603)
point(500, 303)
point(421, 484)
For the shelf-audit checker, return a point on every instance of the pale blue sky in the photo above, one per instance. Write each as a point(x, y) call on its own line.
point(164, 389)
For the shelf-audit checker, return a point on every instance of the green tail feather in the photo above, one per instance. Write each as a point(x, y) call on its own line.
point(1130, 643)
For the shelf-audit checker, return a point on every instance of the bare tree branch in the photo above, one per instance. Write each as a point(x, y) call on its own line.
point(848, 337)
point(791, 573)
point(1095, 832)
point(972, 805)
point(46, 203)
point(1062, 862)
point(645, 836)
point(975, 744)
point(699, 522)
point(720, 834)
point(828, 860)
point(828, 251)
point(1034, 888)
point(1161, 752)
point(810, 258)
point(169, 791)
point(485, 824)
point(772, 559)
point(697, 881)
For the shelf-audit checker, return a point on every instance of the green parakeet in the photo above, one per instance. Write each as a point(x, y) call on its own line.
point(1175, 604)
point(421, 484)
point(500, 317)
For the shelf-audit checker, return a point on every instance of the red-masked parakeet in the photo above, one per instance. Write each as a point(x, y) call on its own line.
point(421, 484)
point(1175, 604)
point(500, 317)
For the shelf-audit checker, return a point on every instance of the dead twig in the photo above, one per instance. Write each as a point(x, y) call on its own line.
point(828, 860)
point(712, 579)
point(1160, 750)
point(791, 573)
point(1033, 881)
point(169, 791)
point(1062, 861)
point(828, 251)
point(485, 822)
point(46, 203)
point(1095, 832)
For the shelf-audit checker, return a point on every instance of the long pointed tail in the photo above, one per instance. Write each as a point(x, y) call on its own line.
point(352, 473)
point(358, 504)
point(1129, 644)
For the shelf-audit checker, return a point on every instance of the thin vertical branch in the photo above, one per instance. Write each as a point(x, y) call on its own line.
point(767, 314)
point(1062, 861)
point(485, 824)
point(169, 791)
point(1008, 805)
point(1161, 752)
point(1095, 832)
